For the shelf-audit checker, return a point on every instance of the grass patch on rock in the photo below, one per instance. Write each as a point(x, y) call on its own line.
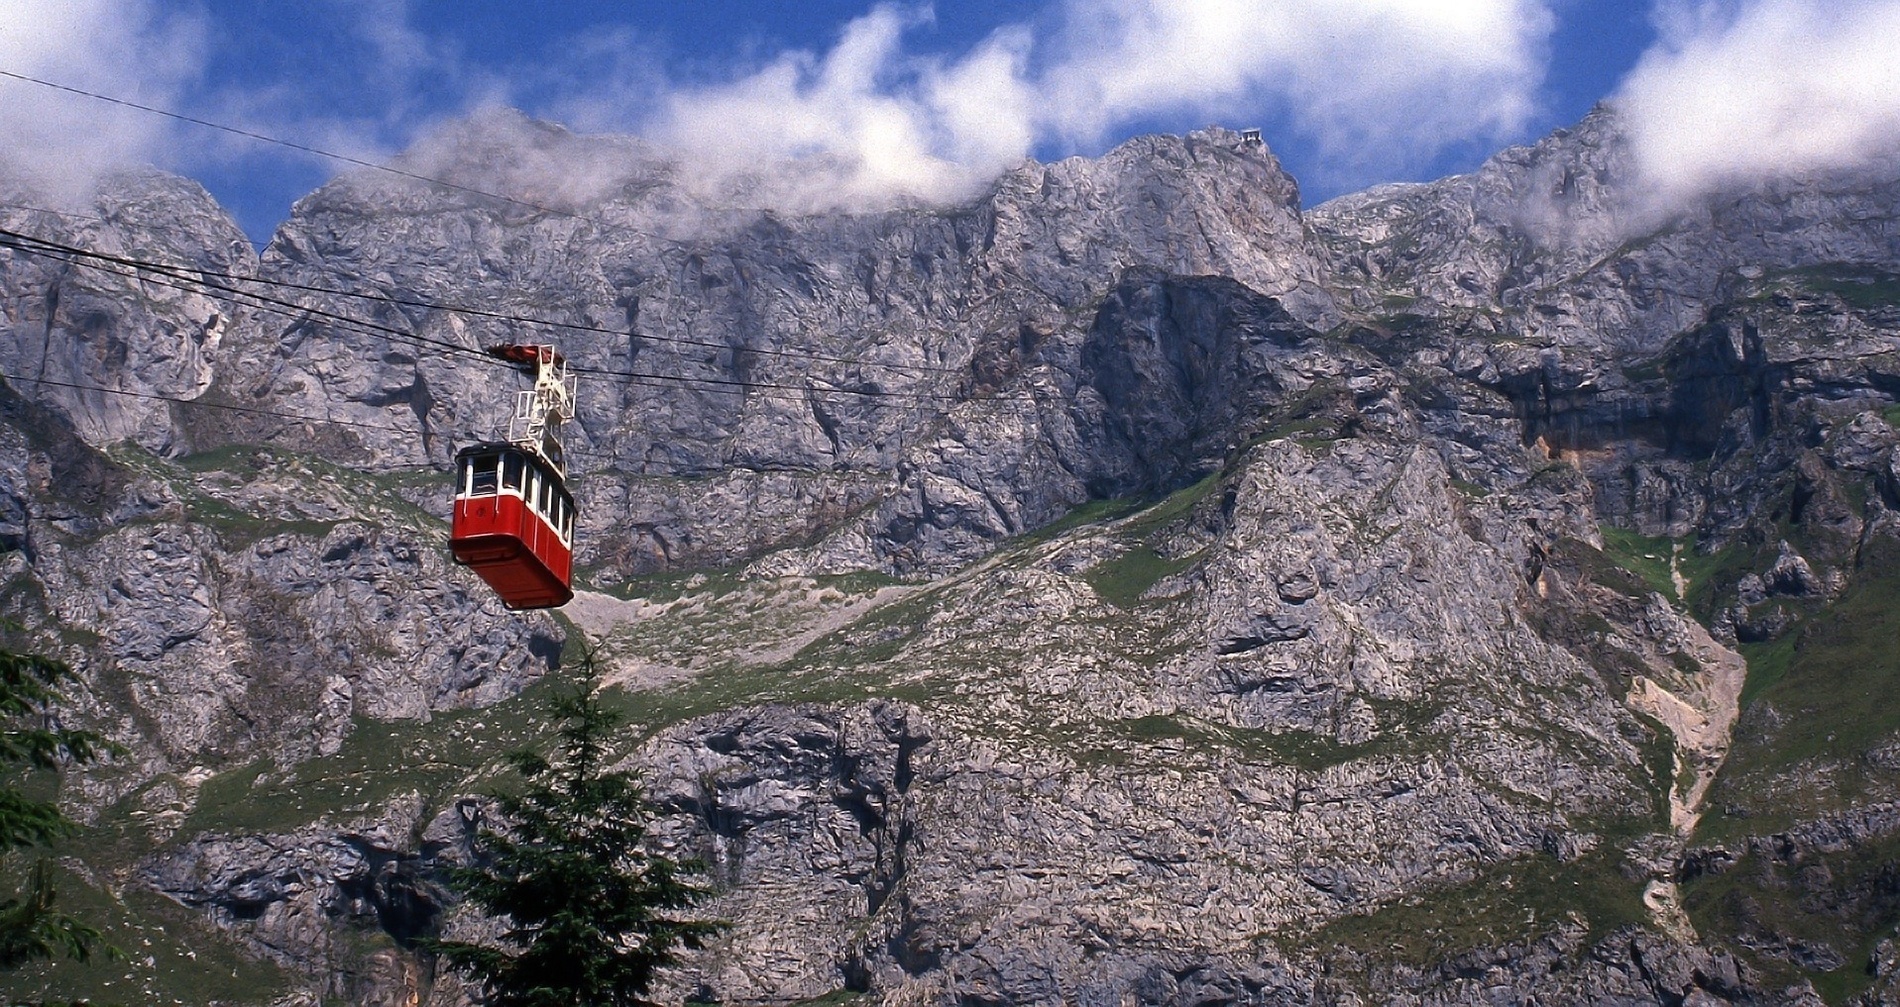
point(1509, 903)
point(172, 956)
point(1813, 917)
point(1835, 682)
point(1863, 287)
point(1123, 580)
point(378, 760)
point(1645, 556)
point(1823, 703)
point(1083, 515)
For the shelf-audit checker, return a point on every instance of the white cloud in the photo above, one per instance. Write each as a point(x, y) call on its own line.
point(862, 124)
point(128, 49)
point(1383, 83)
point(1374, 81)
point(1738, 94)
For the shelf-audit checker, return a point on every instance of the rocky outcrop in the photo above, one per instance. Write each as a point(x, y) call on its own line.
point(307, 900)
point(1557, 244)
point(102, 343)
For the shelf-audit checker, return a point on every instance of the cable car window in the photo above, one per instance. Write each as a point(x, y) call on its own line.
point(547, 497)
point(511, 472)
point(482, 482)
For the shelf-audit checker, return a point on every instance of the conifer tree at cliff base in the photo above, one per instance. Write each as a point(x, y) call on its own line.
point(590, 915)
point(31, 929)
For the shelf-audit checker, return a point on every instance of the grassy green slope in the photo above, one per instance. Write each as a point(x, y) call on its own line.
point(1826, 706)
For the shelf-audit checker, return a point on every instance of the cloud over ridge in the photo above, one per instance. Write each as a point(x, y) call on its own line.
point(132, 49)
point(1736, 94)
point(1383, 83)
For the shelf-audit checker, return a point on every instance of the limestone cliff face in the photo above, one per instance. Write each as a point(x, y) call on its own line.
point(1129, 586)
point(112, 328)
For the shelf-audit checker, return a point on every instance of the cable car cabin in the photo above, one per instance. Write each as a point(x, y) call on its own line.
point(514, 525)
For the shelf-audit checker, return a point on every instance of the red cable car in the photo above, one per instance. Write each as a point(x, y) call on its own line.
point(514, 525)
point(514, 517)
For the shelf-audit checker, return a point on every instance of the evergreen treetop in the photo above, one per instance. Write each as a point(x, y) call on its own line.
point(591, 915)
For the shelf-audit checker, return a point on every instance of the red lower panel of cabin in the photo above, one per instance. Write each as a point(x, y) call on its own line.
point(512, 549)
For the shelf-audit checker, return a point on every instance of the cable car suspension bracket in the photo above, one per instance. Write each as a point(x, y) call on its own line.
point(540, 411)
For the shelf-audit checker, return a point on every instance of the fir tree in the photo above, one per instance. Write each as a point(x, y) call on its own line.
point(590, 914)
point(30, 927)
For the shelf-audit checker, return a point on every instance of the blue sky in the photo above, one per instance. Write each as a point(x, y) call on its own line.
point(925, 101)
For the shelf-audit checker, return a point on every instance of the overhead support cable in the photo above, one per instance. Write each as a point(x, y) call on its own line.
point(189, 279)
point(500, 316)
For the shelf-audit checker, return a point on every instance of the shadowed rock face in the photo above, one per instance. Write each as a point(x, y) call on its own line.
point(1392, 655)
point(1184, 369)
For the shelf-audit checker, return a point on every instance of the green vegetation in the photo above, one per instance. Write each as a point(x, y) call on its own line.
point(1123, 580)
point(1712, 575)
point(379, 760)
point(1844, 676)
point(1818, 700)
point(1513, 902)
point(32, 739)
point(1833, 686)
point(1314, 412)
point(1768, 664)
point(1172, 507)
point(229, 458)
point(1892, 415)
point(172, 956)
point(593, 916)
point(1092, 512)
point(239, 529)
point(1304, 431)
point(1471, 490)
point(1709, 576)
point(1862, 287)
point(1646, 556)
point(1844, 902)
point(210, 485)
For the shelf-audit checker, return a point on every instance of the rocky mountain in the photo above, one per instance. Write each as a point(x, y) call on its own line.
point(1130, 587)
